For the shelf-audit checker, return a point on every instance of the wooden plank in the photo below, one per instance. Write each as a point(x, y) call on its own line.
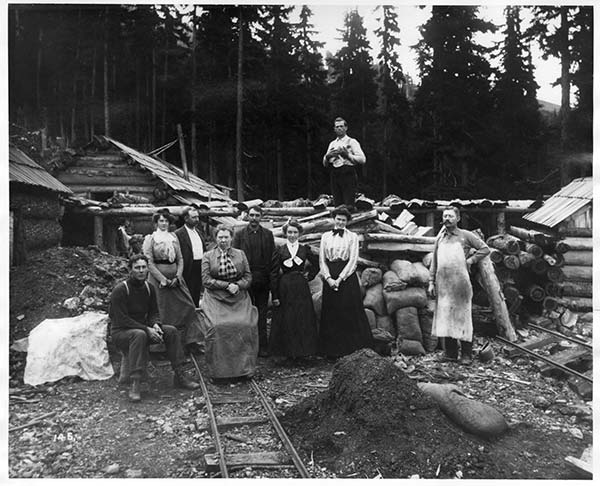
point(224, 423)
point(225, 399)
point(565, 358)
point(576, 289)
point(252, 459)
point(101, 180)
point(398, 247)
point(82, 188)
point(534, 343)
point(105, 171)
point(99, 231)
point(577, 232)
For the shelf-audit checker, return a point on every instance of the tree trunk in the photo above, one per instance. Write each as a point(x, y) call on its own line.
point(138, 116)
point(212, 169)
point(279, 157)
point(239, 174)
point(93, 95)
point(153, 119)
point(38, 93)
point(163, 125)
point(193, 141)
point(489, 281)
point(308, 134)
point(565, 81)
point(106, 109)
point(386, 161)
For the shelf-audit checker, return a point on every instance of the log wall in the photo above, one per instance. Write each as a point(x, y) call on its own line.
point(108, 173)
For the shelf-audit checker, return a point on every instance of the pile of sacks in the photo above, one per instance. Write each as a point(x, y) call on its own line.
point(397, 306)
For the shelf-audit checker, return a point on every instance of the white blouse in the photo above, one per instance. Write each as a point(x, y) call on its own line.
point(335, 247)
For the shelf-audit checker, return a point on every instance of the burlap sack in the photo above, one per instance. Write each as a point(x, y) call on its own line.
point(422, 278)
point(315, 285)
point(391, 281)
point(427, 260)
point(374, 300)
point(372, 318)
point(407, 324)
point(410, 348)
point(471, 415)
point(404, 270)
point(430, 341)
point(370, 277)
point(386, 323)
point(409, 297)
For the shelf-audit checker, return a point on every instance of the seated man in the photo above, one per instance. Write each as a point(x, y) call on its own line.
point(135, 323)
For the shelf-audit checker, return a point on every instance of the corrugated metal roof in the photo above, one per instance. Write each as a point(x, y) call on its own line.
point(564, 203)
point(172, 176)
point(24, 170)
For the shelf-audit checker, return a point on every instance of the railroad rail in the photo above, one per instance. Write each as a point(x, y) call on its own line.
point(227, 462)
point(562, 367)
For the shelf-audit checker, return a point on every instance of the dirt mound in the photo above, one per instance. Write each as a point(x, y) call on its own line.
point(374, 420)
point(373, 417)
point(39, 288)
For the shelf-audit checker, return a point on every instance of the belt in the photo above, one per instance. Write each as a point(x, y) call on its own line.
point(162, 262)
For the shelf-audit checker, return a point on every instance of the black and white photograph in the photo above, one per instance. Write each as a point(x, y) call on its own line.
point(318, 241)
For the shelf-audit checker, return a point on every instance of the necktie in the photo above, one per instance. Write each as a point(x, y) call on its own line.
point(339, 232)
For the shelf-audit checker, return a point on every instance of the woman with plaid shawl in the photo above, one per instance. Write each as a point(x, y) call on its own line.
point(230, 318)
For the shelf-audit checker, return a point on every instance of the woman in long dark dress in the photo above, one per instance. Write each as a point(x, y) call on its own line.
point(294, 324)
point(344, 325)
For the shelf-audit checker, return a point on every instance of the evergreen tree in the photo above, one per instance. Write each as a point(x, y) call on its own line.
point(281, 81)
point(354, 93)
point(454, 100)
point(392, 109)
point(516, 106)
point(312, 93)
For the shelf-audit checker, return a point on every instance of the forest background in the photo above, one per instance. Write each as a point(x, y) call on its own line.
point(256, 97)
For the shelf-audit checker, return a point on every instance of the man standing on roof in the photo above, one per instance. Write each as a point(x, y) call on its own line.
point(450, 284)
point(135, 323)
point(192, 245)
point(343, 155)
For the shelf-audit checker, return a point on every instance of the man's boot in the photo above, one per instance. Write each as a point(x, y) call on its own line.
point(134, 391)
point(181, 381)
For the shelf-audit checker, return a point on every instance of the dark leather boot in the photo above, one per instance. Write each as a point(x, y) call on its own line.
point(181, 381)
point(134, 391)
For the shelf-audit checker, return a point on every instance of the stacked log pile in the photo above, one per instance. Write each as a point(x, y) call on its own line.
point(541, 272)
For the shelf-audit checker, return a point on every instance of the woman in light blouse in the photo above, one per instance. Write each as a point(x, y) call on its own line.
point(230, 319)
point(165, 265)
point(344, 325)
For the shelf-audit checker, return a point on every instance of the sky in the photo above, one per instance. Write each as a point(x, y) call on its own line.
point(328, 18)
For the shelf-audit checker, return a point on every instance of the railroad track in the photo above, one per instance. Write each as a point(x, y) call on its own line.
point(221, 463)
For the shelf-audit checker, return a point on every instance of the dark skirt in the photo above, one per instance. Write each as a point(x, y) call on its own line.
point(344, 325)
point(294, 324)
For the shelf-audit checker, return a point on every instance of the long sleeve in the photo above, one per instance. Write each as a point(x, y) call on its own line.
point(312, 265)
point(433, 266)
point(149, 253)
point(478, 244)
point(324, 269)
point(153, 314)
point(350, 267)
point(358, 156)
point(119, 314)
point(178, 259)
point(208, 280)
point(275, 265)
point(246, 278)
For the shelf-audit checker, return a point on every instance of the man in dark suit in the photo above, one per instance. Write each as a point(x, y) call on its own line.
point(193, 246)
point(258, 244)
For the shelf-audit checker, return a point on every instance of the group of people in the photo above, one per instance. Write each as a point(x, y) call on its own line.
point(160, 301)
